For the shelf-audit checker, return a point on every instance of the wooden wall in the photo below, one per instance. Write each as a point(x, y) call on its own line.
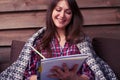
point(19, 19)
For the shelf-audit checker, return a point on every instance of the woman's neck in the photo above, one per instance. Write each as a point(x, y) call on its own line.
point(61, 37)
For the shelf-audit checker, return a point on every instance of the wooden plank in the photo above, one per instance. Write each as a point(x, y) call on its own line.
point(6, 37)
point(101, 16)
point(22, 5)
point(37, 19)
point(98, 3)
point(23, 35)
point(25, 5)
point(99, 31)
point(22, 20)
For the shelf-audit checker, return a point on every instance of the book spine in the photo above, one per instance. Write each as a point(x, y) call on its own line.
point(39, 70)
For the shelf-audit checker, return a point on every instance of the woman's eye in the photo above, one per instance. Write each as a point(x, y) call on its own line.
point(69, 12)
point(58, 10)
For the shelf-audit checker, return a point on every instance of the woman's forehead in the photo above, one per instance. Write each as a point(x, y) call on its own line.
point(63, 3)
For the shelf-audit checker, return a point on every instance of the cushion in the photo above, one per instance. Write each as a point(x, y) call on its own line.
point(109, 50)
point(16, 48)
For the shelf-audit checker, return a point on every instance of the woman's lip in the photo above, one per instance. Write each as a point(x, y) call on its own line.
point(61, 20)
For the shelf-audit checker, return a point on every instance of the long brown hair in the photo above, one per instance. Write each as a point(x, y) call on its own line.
point(74, 33)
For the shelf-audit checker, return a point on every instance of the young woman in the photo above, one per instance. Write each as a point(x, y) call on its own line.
point(62, 36)
point(64, 22)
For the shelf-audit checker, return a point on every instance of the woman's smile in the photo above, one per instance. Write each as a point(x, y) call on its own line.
point(61, 21)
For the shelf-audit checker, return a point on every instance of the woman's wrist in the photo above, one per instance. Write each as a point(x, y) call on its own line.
point(33, 77)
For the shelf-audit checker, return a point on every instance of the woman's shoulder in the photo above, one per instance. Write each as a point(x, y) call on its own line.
point(39, 34)
point(42, 29)
point(87, 41)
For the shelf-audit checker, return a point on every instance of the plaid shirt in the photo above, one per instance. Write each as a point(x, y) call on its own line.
point(57, 50)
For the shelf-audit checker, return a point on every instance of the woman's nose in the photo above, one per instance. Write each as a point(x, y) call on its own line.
point(62, 14)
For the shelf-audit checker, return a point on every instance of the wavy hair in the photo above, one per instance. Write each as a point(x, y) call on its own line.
point(74, 33)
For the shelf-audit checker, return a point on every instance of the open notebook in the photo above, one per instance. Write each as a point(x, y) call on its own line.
point(48, 63)
point(70, 60)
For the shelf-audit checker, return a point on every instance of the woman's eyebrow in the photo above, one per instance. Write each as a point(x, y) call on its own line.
point(61, 7)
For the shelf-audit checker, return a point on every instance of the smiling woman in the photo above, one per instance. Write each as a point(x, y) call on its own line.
point(62, 36)
point(62, 14)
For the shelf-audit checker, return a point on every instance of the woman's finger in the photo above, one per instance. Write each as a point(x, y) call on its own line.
point(65, 68)
point(75, 67)
point(57, 70)
point(53, 75)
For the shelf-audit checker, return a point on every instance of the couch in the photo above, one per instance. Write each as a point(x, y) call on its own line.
point(109, 50)
point(106, 48)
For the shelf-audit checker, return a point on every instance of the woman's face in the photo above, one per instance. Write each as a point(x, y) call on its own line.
point(62, 14)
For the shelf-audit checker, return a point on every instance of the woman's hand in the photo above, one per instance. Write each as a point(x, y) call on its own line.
point(33, 77)
point(65, 73)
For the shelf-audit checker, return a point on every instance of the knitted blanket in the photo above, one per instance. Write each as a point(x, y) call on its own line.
point(16, 71)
